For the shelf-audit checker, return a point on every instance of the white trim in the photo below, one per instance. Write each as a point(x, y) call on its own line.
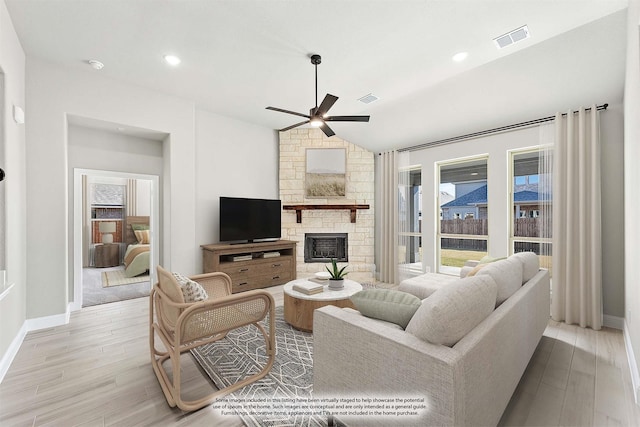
point(12, 351)
point(633, 367)
point(6, 292)
point(614, 322)
point(28, 326)
point(48, 321)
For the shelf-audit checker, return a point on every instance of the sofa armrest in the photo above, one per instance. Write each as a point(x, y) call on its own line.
point(354, 356)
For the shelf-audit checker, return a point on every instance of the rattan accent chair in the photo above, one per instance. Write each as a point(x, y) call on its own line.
point(183, 326)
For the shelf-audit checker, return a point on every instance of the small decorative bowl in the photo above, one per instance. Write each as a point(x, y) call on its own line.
point(323, 275)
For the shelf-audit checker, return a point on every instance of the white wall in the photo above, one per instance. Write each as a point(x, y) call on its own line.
point(496, 146)
point(231, 155)
point(13, 305)
point(99, 149)
point(234, 159)
point(631, 193)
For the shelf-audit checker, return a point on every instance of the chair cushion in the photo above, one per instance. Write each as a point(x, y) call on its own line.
point(386, 304)
point(530, 264)
point(507, 274)
point(191, 291)
point(453, 311)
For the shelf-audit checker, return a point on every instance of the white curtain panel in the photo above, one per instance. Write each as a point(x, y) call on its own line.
point(577, 278)
point(545, 190)
point(132, 197)
point(389, 239)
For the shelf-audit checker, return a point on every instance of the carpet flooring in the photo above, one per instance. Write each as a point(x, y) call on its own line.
point(240, 354)
point(93, 293)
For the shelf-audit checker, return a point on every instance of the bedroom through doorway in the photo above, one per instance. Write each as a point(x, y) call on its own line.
point(115, 218)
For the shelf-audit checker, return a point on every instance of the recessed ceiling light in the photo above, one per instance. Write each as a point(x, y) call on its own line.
point(172, 60)
point(97, 65)
point(460, 56)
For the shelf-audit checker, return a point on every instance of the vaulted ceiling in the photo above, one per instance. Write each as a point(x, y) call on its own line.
point(240, 56)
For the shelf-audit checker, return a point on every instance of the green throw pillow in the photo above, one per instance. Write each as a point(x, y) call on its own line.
point(139, 227)
point(385, 304)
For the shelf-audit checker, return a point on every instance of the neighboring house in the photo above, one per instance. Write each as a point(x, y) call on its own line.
point(473, 205)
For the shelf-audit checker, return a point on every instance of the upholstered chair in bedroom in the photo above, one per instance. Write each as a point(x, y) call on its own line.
point(189, 312)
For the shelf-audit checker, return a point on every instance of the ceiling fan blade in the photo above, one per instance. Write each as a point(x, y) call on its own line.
point(347, 119)
point(294, 126)
point(327, 130)
point(288, 112)
point(327, 103)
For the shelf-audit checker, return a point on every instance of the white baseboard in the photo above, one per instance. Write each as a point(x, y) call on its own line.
point(614, 322)
point(11, 352)
point(48, 321)
point(633, 367)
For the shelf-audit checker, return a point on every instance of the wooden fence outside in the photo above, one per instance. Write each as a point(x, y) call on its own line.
point(523, 227)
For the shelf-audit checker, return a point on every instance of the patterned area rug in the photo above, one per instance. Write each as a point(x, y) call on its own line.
point(118, 278)
point(235, 357)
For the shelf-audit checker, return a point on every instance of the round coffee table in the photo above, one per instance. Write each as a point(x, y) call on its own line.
point(299, 307)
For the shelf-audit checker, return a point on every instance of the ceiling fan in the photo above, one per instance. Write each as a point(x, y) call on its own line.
point(318, 116)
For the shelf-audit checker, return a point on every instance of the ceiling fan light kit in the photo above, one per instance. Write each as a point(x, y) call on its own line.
point(318, 116)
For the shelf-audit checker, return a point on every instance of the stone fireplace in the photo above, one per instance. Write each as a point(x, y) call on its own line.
point(357, 227)
point(322, 247)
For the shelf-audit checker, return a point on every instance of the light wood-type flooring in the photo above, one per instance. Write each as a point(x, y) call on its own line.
point(95, 371)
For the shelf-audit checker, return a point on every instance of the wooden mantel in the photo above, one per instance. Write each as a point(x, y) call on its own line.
point(300, 208)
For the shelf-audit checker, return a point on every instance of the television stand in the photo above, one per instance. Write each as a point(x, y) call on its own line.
point(247, 264)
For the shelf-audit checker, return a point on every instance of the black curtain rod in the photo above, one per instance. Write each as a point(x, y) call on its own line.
point(490, 131)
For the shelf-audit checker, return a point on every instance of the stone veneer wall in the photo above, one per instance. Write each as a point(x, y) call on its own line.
point(359, 190)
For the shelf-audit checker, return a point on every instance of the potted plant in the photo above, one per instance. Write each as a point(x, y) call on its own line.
point(336, 281)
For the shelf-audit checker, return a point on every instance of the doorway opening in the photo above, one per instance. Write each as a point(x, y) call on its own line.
point(115, 236)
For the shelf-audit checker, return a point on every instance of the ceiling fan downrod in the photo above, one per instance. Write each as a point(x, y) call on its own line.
point(315, 60)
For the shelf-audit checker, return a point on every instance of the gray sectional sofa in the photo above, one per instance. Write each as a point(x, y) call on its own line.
point(462, 353)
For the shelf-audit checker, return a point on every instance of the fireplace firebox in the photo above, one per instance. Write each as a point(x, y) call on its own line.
point(322, 247)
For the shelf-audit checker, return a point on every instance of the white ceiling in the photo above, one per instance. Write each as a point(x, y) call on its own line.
point(240, 56)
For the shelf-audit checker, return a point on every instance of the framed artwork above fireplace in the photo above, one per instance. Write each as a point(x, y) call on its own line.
point(325, 175)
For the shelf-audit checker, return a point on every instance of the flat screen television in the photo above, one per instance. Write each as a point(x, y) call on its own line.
point(249, 220)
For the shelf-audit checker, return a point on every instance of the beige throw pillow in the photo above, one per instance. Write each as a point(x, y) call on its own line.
point(507, 274)
point(191, 291)
point(452, 312)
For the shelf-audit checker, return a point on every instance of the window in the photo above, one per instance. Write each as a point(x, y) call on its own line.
point(531, 203)
point(462, 228)
point(410, 212)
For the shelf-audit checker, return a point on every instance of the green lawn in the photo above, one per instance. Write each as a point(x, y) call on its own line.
point(457, 258)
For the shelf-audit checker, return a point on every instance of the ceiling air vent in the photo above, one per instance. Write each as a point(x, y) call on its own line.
point(368, 99)
point(512, 37)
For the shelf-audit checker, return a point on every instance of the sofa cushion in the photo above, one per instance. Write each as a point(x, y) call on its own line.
point(191, 291)
point(530, 264)
point(507, 274)
point(386, 304)
point(425, 284)
point(453, 311)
